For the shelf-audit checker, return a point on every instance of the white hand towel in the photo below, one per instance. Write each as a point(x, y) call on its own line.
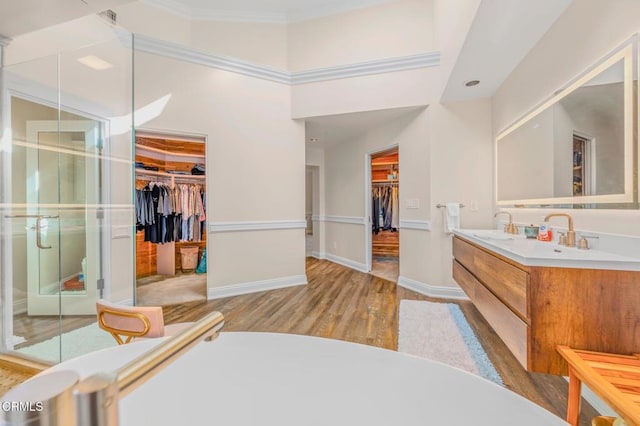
point(451, 217)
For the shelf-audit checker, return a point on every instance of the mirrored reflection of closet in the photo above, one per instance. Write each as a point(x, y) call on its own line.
point(170, 219)
point(385, 179)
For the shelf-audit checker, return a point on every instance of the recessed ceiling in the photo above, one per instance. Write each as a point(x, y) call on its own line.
point(501, 35)
point(273, 11)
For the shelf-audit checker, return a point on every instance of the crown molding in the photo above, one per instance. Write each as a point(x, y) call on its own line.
point(379, 66)
point(238, 15)
point(181, 52)
point(196, 56)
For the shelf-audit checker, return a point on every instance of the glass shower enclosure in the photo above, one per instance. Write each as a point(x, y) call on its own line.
point(66, 203)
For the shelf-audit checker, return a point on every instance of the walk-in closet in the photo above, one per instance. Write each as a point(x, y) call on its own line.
point(171, 265)
point(385, 179)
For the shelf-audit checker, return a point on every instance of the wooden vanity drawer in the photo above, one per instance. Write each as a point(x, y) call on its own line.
point(511, 329)
point(465, 280)
point(509, 283)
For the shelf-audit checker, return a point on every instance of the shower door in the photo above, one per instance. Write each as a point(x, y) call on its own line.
point(61, 216)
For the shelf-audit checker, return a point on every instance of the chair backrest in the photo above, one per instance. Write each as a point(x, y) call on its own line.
point(130, 321)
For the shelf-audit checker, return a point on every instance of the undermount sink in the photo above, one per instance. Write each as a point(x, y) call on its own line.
point(492, 234)
point(531, 252)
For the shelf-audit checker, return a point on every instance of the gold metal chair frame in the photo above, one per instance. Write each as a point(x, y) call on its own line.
point(116, 332)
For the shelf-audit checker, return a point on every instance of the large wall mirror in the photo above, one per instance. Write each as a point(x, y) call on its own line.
point(579, 148)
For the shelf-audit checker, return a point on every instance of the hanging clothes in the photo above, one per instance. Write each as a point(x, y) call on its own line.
point(170, 213)
point(384, 208)
point(375, 210)
point(395, 218)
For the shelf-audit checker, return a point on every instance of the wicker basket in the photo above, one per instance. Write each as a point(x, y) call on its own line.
point(188, 258)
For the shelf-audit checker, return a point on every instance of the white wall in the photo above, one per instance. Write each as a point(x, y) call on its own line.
point(563, 53)
point(258, 43)
point(345, 165)
point(142, 18)
point(399, 28)
point(315, 159)
point(368, 93)
point(445, 155)
point(452, 20)
point(255, 162)
point(461, 170)
point(264, 44)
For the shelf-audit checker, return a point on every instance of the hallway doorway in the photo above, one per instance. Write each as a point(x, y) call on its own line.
point(385, 228)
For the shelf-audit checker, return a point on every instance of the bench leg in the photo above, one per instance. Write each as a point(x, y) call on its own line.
point(573, 406)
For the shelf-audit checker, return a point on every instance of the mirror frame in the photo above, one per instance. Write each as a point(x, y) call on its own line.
point(626, 54)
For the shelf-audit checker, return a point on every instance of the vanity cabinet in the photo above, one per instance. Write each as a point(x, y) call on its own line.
point(535, 308)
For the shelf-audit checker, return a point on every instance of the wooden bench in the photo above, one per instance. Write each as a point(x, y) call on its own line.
point(614, 378)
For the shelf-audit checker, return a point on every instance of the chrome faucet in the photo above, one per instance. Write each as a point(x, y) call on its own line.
point(571, 234)
point(509, 228)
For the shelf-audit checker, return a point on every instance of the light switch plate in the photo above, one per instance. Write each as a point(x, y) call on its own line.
point(413, 203)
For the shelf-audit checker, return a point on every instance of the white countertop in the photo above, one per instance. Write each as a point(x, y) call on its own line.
point(531, 252)
point(271, 379)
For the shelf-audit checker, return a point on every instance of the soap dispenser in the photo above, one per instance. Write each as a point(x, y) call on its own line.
point(544, 232)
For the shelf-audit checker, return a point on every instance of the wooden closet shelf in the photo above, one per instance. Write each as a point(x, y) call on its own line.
point(171, 175)
point(172, 153)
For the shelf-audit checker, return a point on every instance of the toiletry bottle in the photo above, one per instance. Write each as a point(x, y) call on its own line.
point(544, 233)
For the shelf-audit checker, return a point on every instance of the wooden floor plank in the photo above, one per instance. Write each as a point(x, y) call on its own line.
point(341, 303)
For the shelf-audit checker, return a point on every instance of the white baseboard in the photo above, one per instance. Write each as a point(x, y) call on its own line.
point(318, 255)
point(432, 291)
point(346, 262)
point(255, 286)
point(20, 306)
point(125, 302)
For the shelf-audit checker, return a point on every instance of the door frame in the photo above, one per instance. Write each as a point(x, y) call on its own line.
point(13, 89)
point(90, 128)
point(368, 221)
point(187, 137)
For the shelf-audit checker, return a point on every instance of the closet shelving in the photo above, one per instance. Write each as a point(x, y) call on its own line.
point(384, 180)
point(383, 167)
point(166, 154)
point(172, 176)
point(141, 148)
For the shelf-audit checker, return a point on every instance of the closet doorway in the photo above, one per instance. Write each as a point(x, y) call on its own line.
point(171, 238)
point(385, 219)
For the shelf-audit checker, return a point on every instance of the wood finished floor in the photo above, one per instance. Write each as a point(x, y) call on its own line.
point(345, 304)
point(386, 243)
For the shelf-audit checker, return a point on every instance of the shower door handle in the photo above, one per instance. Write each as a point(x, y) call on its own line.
point(38, 226)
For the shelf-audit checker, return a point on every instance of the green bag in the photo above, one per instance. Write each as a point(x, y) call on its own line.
point(202, 266)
